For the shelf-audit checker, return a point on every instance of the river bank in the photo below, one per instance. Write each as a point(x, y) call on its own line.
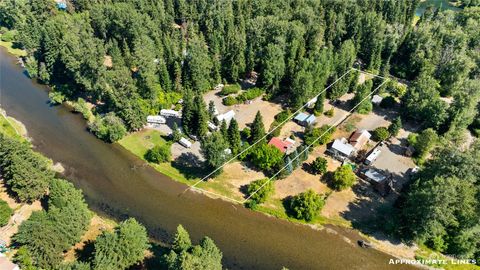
point(117, 183)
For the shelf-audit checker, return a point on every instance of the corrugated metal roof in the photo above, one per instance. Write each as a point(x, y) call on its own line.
point(343, 147)
point(301, 117)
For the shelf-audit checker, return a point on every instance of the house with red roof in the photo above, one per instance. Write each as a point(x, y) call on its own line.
point(285, 146)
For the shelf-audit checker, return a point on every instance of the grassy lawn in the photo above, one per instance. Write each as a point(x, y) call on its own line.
point(10, 49)
point(139, 142)
point(10, 127)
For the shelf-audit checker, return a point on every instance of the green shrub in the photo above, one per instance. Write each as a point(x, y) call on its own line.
point(109, 128)
point(306, 205)
point(265, 188)
point(159, 154)
point(319, 136)
point(5, 213)
point(229, 101)
point(9, 36)
point(343, 177)
point(81, 107)
point(250, 94)
point(56, 97)
point(380, 134)
point(319, 165)
point(230, 89)
point(330, 113)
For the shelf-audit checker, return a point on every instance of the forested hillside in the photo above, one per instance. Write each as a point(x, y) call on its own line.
point(135, 57)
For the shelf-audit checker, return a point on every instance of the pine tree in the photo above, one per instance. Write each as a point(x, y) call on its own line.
point(258, 130)
point(318, 109)
point(224, 129)
point(395, 127)
point(234, 137)
point(211, 109)
point(201, 116)
point(188, 112)
point(289, 165)
point(182, 241)
point(295, 159)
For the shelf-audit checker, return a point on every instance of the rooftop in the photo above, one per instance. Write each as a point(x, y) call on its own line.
point(342, 146)
point(280, 144)
point(374, 175)
point(359, 138)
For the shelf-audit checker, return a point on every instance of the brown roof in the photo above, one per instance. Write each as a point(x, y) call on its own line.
point(359, 138)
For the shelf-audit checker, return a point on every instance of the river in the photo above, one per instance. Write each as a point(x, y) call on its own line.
point(119, 184)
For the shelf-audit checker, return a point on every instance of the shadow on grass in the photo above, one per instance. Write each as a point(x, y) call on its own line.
point(86, 253)
point(189, 165)
point(156, 261)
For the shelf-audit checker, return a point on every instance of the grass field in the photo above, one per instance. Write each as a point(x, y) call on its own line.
point(139, 142)
point(10, 49)
point(11, 128)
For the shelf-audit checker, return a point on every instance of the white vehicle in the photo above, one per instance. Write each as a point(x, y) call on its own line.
point(184, 142)
point(372, 157)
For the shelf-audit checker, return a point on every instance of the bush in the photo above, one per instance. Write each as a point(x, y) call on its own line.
point(246, 133)
point(388, 102)
point(230, 89)
point(109, 128)
point(81, 107)
point(159, 154)
point(9, 36)
point(5, 213)
point(319, 165)
point(229, 101)
point(330, 113)
point(380, 134)
point(56, 97)
point(250, 94)
point(265, 188)
point(313, 134)
point(343, 178)
point(306, 205)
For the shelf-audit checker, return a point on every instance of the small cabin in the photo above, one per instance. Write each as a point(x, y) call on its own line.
point(305, 119)
point(285, 146)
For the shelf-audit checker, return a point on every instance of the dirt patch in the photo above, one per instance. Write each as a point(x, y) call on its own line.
point(234, 176)
point(97, 226)
point(21, 213)
point(245, 113)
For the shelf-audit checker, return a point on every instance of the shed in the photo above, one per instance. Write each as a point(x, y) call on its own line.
point(376, 99)
point(305, 119)
point(61, 5)
point(311, 102)
point(169, 113)
point(381, 182)
point(226, 116)
point(359, 138)
point(341, 149)
point(156, 119)
point(186, 143)
point(372, 156)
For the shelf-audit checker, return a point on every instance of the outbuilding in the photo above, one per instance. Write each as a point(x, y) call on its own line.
point(226, 116)
point(381, 182)
point(377, 99)
point(305, 119)
point(185, 143)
